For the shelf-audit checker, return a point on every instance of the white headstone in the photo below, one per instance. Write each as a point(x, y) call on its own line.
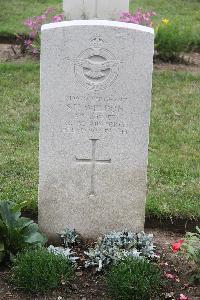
point(94, 9)
point(94, 130)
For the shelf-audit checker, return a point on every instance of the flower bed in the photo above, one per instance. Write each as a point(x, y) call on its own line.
point(113, 261)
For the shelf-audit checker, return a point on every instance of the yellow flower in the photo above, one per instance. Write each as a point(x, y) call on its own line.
point(165, 21)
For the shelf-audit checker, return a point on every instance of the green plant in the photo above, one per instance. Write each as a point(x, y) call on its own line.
point(16, 232)
point(191, 248)
point(171, 40)
point(66, 252)
point(38, 270)
point(117, 246)
point(134, 279)
point(69, 237)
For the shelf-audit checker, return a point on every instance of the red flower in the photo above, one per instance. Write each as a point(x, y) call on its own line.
point(176, 246)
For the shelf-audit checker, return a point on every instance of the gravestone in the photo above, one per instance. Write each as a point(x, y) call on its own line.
point(94, 130)
point(94, 9)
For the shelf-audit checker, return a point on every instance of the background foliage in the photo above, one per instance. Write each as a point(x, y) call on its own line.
point(183, 13)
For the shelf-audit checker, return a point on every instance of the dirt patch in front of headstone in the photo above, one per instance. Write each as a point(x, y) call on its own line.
point(89, 285)
point(13, 53)
point(9, 52)
point(190, 63)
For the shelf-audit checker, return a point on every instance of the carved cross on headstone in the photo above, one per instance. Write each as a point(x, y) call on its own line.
point(93, 161)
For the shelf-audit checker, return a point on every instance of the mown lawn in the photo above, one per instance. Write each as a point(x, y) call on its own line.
point(14, 12)
point(19, 105)
point(174, 156)
point(184, 12)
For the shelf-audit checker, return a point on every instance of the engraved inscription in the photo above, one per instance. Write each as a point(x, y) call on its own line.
point(102, 115)
point(93, 162)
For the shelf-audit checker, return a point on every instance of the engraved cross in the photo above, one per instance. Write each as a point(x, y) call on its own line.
point(93, 161)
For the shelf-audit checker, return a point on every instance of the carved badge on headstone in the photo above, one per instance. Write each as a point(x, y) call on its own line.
point(96, 68)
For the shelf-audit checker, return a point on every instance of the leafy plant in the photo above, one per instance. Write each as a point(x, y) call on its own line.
point(134, 279)
point(190, 247)
point(116, 246)
point(16, 232)
point(69, 237)
point(66, 252)
point(171, 40)
point(38, 270)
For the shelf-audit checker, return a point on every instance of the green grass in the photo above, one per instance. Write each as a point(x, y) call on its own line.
point(185, 12)
point(174, 156)
point(19, 105)
point(14, 12)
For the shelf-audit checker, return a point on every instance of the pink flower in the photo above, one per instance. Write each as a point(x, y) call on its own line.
point(58, 18)
point(27, 43)
point(32, 34)
point(183, 297)
point(49, 11)
point(29, 23)
point(176, 246)
point(139, 18)
point(34, 25)
point(40, 19)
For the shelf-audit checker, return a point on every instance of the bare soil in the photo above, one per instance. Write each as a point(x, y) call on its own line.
point(89, 285)
point(190, 62)
point(9, 52)
point(13, 53)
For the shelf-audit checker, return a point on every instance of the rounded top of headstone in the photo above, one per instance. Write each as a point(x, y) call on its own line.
point(104, 23)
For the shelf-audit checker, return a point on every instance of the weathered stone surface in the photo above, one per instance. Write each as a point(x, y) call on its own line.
point(94, 130)
point(94, 9)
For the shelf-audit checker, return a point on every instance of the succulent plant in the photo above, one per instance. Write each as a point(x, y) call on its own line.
point(116, 246)
point(69, 237)
point(66, 252)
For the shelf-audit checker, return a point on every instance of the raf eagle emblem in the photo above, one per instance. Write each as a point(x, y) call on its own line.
point(96, 70)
